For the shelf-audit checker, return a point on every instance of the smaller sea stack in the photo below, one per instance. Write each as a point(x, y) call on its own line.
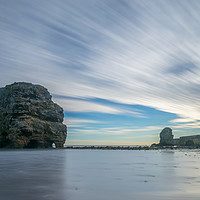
point(166, 137)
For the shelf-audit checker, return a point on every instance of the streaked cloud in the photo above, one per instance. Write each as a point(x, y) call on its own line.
point(89, 105)
point(182, 120)
point(130, 52)
point(84, 106)
point(75, 122)
point(119, 131)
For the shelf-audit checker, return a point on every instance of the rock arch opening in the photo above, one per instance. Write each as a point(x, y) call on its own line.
point(53, 145)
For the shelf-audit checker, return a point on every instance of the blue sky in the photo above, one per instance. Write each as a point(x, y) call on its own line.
point(122, 70)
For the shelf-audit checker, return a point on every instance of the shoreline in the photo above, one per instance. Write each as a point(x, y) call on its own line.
point(128, 148)
point(93, 147)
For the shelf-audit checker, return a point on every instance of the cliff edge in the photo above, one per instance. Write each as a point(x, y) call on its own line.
point(29, 118)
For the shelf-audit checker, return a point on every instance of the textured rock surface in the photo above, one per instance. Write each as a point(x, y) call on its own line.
point(190, 141)
point(29, 118)
point(166, 137)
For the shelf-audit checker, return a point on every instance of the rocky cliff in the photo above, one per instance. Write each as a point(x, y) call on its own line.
point(29, 118)
point(166, 140)
point(190, 141)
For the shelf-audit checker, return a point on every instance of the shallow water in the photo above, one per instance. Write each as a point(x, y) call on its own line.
point(99, 175)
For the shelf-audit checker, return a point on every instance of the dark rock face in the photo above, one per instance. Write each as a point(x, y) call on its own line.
point(29, 118)
point(166, 137)
point(190, 141)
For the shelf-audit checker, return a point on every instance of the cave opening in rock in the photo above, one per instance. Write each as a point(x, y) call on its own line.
point(33, 144)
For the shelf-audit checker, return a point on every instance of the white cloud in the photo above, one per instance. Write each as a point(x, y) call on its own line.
point(76, 122)
point(84, 106)
point(81, 121)
point(191, 125)
point(182, 120)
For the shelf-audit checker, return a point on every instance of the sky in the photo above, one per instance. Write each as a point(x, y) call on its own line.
point(122, 70)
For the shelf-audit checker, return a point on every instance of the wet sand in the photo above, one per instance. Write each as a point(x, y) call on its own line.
point(99, 174)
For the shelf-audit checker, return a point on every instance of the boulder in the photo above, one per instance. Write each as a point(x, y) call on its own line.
point(166, 137)
point(29, 118)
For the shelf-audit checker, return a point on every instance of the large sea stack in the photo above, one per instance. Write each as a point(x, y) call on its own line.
point(29, 118)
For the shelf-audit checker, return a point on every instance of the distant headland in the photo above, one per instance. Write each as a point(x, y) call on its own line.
point(167, 140)
point(29, 118)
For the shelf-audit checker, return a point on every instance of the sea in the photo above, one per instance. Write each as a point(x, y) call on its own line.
point(77, 174)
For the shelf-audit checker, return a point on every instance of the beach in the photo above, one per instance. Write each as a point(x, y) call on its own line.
point(99, 174)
